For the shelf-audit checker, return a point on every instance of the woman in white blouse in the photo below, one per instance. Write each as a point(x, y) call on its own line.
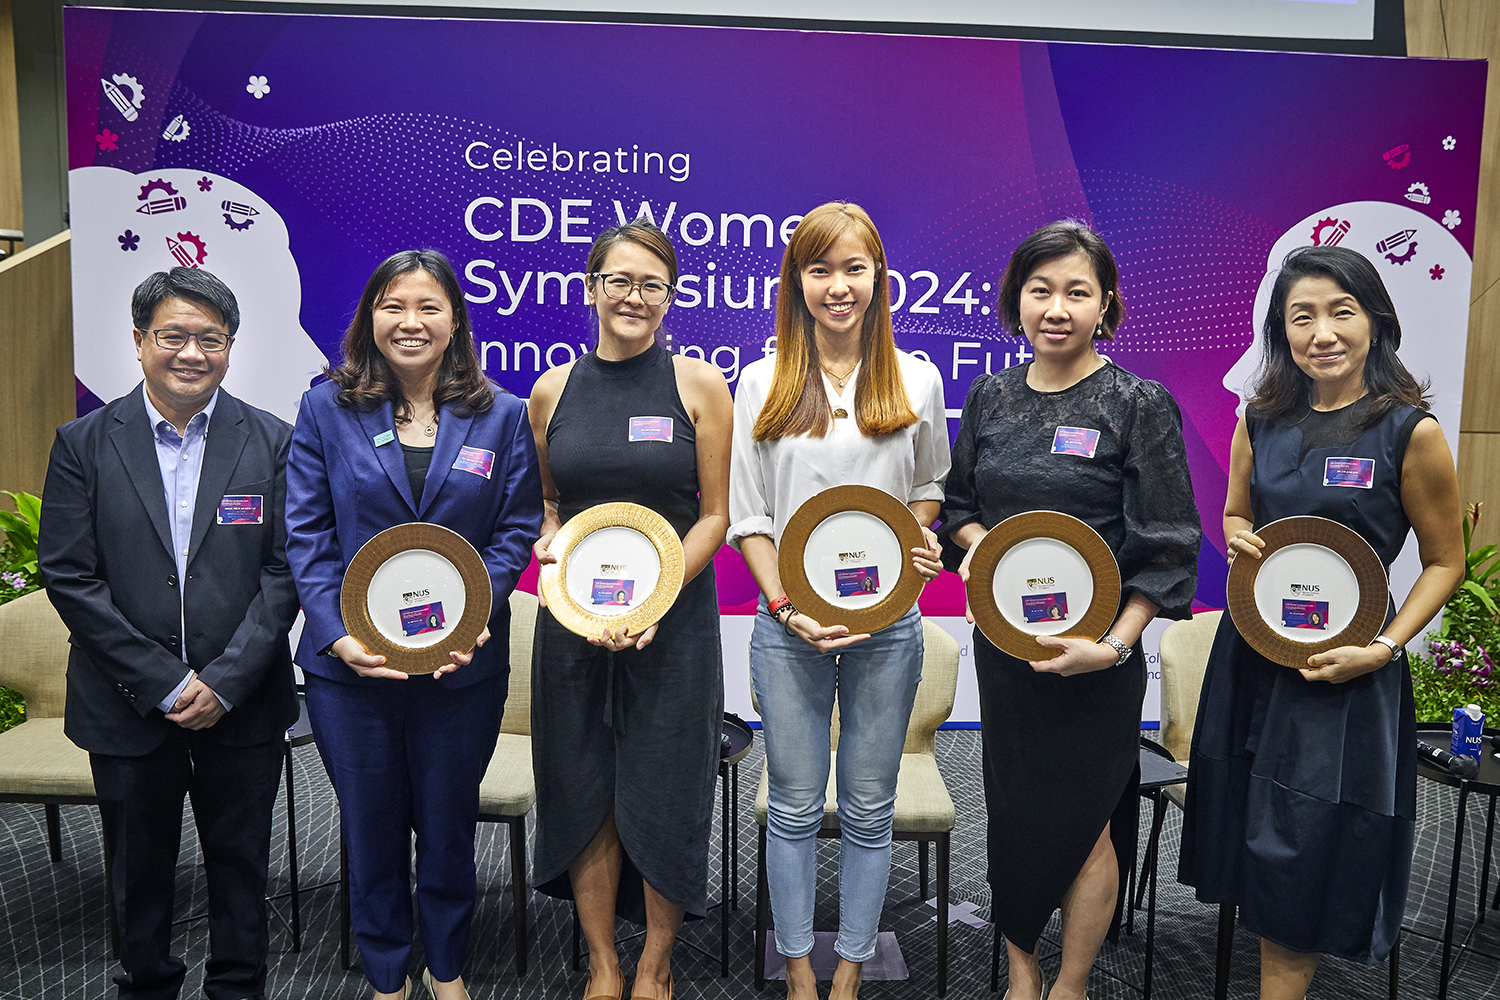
point(838, 404)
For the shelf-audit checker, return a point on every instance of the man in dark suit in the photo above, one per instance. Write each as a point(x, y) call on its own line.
point(163, 548)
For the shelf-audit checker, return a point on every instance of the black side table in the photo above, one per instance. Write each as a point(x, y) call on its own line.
point(1487, 783)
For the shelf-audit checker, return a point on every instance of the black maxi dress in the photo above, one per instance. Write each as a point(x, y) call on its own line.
point(634, 733)
point(1061, 753)
point(1302, 795)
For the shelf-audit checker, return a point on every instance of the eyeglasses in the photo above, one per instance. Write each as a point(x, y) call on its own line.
point(176, 340)
point(617, 286)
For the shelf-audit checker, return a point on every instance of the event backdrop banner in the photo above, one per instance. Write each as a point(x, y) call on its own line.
point(290, 154)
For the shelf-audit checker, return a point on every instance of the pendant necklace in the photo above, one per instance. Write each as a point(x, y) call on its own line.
point(839, 380)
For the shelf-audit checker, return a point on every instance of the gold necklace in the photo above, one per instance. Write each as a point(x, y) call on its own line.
point(836, 378)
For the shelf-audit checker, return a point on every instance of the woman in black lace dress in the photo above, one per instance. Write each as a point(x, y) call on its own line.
point(1069, 432)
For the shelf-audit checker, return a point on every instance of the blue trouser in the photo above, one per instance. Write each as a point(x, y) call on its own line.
point(875, 681)
point(408, 756)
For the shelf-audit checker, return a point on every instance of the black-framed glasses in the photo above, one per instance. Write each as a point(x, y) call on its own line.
point(176, 340)
point(617, 286)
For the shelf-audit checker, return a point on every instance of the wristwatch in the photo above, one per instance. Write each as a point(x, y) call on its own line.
point(1123, 651)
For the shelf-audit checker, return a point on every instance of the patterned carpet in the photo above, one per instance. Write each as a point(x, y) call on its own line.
point(54, 944)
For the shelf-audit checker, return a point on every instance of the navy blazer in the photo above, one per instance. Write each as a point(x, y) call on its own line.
point(105, 554)
point(343, 489)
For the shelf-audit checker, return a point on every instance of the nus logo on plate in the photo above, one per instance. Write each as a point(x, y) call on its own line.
point(1041, 582)
point(612, 568)
point(1305, 588)
point(849, 557)
point(412, 595)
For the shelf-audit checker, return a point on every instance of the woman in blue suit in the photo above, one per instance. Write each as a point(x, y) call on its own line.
point(408, 429)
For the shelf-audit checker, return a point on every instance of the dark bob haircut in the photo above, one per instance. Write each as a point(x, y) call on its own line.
point(1281, 387)
point(1063, 238)
point(365, 377)
point(643, 233)
point(191, 283)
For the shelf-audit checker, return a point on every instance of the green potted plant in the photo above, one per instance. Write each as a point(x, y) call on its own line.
point(1459, 666)
point(18, 576)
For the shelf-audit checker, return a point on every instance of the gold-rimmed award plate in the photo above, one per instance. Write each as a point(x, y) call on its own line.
point(414, 592)
point(617, 564)
point(1316, 586)
point(1042, 573)
point(845, 558)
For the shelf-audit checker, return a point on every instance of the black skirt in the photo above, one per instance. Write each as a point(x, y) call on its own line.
point(636, 734)
point(1061, 759)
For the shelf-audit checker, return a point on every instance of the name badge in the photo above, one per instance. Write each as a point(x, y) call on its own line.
point(242, 510)
point(1080, 441)
point(384, 437)
point(475, 460)
point(651, 429)
point(1356, 472)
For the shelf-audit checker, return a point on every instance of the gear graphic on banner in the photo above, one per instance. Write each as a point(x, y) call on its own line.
point(1397, 157)
point(1418, 193)
point(1329, 232)
point(185, 256)
point(130, 106)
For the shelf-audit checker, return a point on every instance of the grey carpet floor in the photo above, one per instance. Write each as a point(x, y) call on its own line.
point(54, 943)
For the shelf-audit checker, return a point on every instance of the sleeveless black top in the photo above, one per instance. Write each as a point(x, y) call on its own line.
point(621, 433)
point(1295, 456)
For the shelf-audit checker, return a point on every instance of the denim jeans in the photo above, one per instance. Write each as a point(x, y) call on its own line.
point(876, 682)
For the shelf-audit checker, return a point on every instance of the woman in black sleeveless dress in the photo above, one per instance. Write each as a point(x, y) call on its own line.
point(1074, 433)
point(625, 728)
point(1301, 796)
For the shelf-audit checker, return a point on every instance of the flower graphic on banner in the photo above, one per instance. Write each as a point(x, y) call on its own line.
point(1450, 142)
point(1452, 219)
point(258, 87)
point(107, 141)
point(1436, 271)
point(204, 184)
point(129, 241)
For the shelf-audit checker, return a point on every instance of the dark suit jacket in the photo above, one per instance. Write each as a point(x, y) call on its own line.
point(343, 489)
point(106, 559)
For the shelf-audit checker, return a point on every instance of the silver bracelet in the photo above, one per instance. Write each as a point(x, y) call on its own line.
point(1388, 642)
point(1122, 651)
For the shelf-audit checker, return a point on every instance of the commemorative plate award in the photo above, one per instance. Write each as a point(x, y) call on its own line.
point(617, 564)
point(1317, 585)
point(414, 592)
point(845, 558)
point(1042, 573)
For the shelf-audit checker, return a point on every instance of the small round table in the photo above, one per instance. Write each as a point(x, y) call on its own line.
point(1439, 734)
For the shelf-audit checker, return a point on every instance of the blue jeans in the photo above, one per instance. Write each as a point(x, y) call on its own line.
point(876, 682)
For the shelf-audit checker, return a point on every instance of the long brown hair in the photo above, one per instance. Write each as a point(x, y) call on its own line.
point(1281, 387)
point(364, 376)
point(797, 402)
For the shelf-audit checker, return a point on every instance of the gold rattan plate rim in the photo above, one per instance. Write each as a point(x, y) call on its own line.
point(478, 594)
point(553, 581)
point(1042, 524)
point(1347, 544)
point(838, 500)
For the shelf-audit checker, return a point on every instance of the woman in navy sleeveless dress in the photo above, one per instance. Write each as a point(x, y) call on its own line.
point(1301, 796)
point(625, 728)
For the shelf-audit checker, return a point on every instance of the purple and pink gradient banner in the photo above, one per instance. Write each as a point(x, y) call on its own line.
point(327, 143)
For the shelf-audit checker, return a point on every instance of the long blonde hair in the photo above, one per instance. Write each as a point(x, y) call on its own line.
point(797, 402)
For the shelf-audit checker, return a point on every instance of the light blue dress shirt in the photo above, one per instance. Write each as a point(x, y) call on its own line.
point(180, 457)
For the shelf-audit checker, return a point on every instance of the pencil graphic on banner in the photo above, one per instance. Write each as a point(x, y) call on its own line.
point(1339, 232)
point(1395, 240)
point(183, 254)
point(238, 209)
point(119, 100)
point(157, 206)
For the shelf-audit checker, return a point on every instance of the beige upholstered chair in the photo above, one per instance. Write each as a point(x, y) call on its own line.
point(508, 790)
point(924, 810)
point(37, 762)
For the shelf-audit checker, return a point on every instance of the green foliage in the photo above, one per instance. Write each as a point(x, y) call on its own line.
point(18, 559)
point(1459, 669)
point(18, 576)
point(12, 709)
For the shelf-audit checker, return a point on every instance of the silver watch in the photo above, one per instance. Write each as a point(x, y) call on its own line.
point(1123, 651)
